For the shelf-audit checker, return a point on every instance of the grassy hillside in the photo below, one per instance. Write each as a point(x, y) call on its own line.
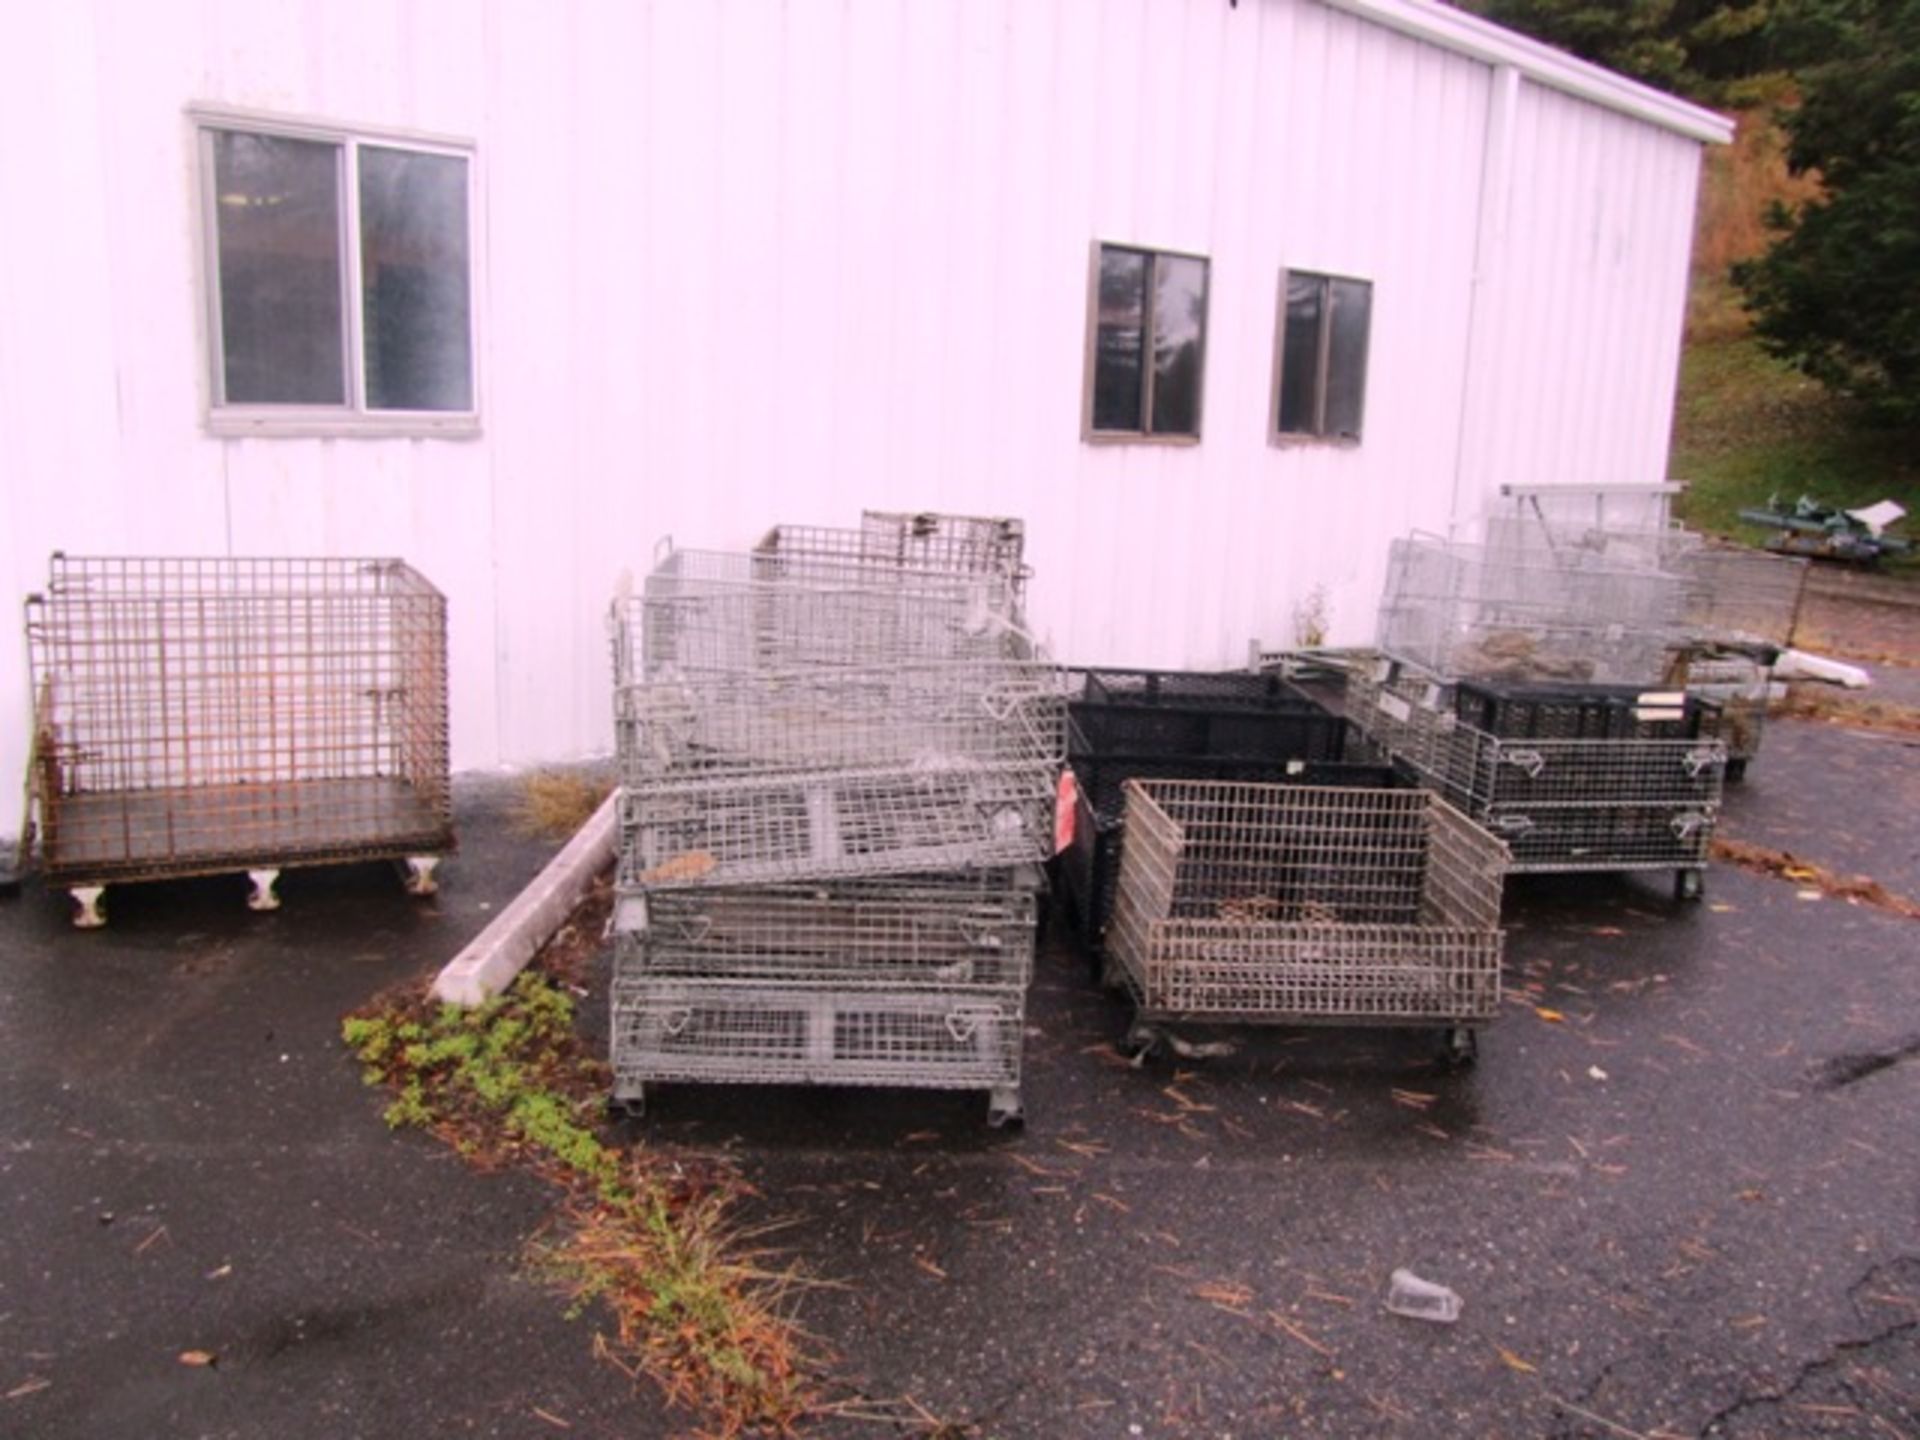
point(1747, 426)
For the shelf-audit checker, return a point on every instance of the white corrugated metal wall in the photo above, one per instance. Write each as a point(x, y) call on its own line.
point(749, 262)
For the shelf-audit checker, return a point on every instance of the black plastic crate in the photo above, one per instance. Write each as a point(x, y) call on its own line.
point(1203, 689)
point(1165, 714)
point(1545, 711)
point(1091, 864)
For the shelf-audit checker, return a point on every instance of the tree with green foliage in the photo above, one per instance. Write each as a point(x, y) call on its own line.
point(1701, 48)
point(1838, 294)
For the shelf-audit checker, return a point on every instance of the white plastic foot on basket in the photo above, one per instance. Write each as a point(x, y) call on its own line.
point(263, 897)
point(89, 916)
point(419, 877)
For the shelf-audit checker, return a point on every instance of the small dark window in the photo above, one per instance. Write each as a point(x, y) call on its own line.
point(1148, 343)
point(1322, 385)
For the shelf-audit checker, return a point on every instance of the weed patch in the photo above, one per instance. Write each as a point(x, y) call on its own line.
point(695, 1307)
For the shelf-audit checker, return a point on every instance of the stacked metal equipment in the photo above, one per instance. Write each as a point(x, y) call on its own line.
point(1289, 904)
point(838, 757)
point(1538, 691)
point(1151, 724)
point(208, 715)
point(1740, 608)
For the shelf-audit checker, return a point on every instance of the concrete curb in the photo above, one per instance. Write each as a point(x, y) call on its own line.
point(501, 951)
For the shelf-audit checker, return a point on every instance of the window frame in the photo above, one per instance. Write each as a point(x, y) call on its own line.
point(353, 418)
point(1091, 357)
point(1322, 363)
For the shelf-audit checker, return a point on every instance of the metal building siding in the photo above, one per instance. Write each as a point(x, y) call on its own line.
point(1585, 317)
point(746, 262)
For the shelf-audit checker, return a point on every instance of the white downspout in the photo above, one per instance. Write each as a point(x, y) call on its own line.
point(1477, 403)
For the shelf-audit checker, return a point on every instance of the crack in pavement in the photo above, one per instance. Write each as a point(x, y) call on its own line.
point(1836, 1354)
point(1857, 1065)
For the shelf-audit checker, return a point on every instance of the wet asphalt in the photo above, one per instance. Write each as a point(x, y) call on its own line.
point(1678, 1195)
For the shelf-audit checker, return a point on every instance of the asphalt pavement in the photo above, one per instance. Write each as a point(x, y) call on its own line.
point(1678, 1195)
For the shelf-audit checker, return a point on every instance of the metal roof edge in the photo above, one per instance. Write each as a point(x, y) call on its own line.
point(1493, 44)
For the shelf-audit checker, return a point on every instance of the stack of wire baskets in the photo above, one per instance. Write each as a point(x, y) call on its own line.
point(1298, 904)
point(1541, 690)
point(838, 758)
point(1740, 607)
point(1154, 724)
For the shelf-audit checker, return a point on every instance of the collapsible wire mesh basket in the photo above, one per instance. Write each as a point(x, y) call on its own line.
point(943, 932)
point(899, 543)
point(1559, 804)
point(715, 611)
point(760, 830)
point(195, 716)
point(1462, 610)
point(1289, 904)
point(1090, 864)
point(921, 716)
point(699, 1030)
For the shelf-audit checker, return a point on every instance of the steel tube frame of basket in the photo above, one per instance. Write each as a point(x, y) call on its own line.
point(1562, 806)
point(1463, 610)
point(922, 715)
point(1298, 905)
point(210, 715)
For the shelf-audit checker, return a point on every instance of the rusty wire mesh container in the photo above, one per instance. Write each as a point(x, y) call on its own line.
point(1645, 800)
point(1249, 903)
point(197, 716)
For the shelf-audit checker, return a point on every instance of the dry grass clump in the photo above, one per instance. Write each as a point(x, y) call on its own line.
point(557, 802)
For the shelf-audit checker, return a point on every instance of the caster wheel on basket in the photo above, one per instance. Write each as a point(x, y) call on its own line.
point(627, 1107)
point(1005, 1113)
point(1736, 770)
point(1689, 885)
point(1143, 1044)
point(1459, 1047)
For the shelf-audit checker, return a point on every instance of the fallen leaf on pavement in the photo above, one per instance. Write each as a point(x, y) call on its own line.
point(199, 1358)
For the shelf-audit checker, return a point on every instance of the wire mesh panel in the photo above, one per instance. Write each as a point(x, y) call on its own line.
point(950, 933)
point(1560, 804)
point(673, 1030)
point(916, 715)
point(1462, 610)
point(1259, 903)
point(722, 831)
point(1090, 864)
point(1736, 594)
point(202, 715)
